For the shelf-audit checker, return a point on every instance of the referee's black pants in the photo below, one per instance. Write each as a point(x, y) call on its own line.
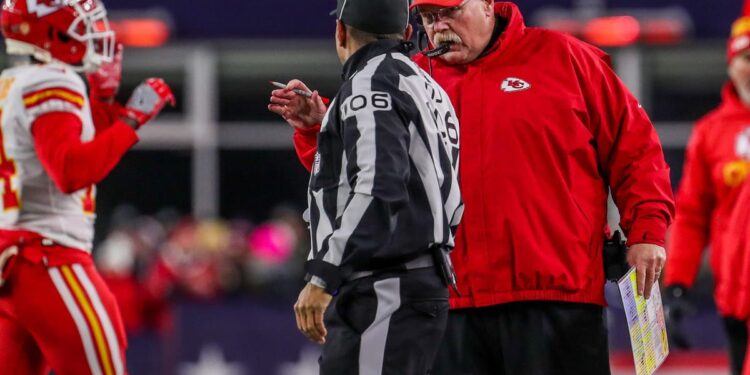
point(389, 324)
point(525, 338)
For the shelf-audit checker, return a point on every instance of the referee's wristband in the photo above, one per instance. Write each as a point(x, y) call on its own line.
point(317, 281)
point(329, 274)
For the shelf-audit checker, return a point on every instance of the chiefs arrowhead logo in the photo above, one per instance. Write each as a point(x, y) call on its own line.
point(512, 84)
point(44, 7)
point(740, 43)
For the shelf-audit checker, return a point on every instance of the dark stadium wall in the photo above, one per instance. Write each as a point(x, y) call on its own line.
point(196, 19)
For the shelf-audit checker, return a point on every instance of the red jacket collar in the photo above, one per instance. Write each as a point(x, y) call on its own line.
point(513, 31)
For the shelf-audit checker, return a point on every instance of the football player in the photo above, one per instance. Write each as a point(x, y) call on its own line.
point(56, 143)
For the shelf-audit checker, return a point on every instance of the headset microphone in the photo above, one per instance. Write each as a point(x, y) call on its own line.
point(442, 49)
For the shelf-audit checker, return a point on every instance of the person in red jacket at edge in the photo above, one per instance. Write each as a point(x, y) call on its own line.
point(55, 144)
point(710, 206)
point(550, 129)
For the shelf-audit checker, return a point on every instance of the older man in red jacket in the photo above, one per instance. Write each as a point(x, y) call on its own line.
point(549, 129)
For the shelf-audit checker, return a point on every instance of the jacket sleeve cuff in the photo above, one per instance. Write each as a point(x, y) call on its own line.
point(309, 132)
point(650, 230)
point(324, 273)
point(317, 281)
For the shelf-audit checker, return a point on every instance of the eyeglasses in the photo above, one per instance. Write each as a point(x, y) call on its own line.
point(428, 18)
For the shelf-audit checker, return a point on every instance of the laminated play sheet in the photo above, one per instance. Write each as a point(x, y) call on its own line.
point(648, 332)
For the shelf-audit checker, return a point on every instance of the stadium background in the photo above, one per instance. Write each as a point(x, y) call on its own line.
point(199, 230)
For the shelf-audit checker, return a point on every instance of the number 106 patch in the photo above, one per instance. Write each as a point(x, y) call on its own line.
point(369, 101)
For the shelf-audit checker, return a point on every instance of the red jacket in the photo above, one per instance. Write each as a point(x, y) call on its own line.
point(543, 120)
point(709, 200)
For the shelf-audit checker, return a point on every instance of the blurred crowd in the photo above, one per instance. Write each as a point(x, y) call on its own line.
point(152, 261)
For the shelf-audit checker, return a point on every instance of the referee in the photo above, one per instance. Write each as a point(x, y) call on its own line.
point(383, 198)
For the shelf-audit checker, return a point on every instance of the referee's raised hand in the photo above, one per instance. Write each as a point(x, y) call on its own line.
point(309, 309)
point(301, 112)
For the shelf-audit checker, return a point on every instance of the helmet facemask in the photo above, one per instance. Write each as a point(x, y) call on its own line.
point(91, 28)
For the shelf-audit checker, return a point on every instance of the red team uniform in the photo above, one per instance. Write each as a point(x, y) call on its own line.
point(716, 169)
point(713, 204)
point(55, 310)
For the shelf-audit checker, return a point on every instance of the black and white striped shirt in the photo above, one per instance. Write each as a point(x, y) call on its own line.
point(384, 185)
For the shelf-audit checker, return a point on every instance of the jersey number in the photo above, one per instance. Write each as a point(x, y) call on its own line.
point(374, 101)
point(7, 172)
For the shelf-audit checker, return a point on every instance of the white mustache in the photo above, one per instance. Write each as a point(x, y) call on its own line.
point(446, 37)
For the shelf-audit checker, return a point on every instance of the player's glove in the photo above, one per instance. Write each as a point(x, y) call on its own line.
point(104, 82)
point(676, 306)
point(147, 101)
